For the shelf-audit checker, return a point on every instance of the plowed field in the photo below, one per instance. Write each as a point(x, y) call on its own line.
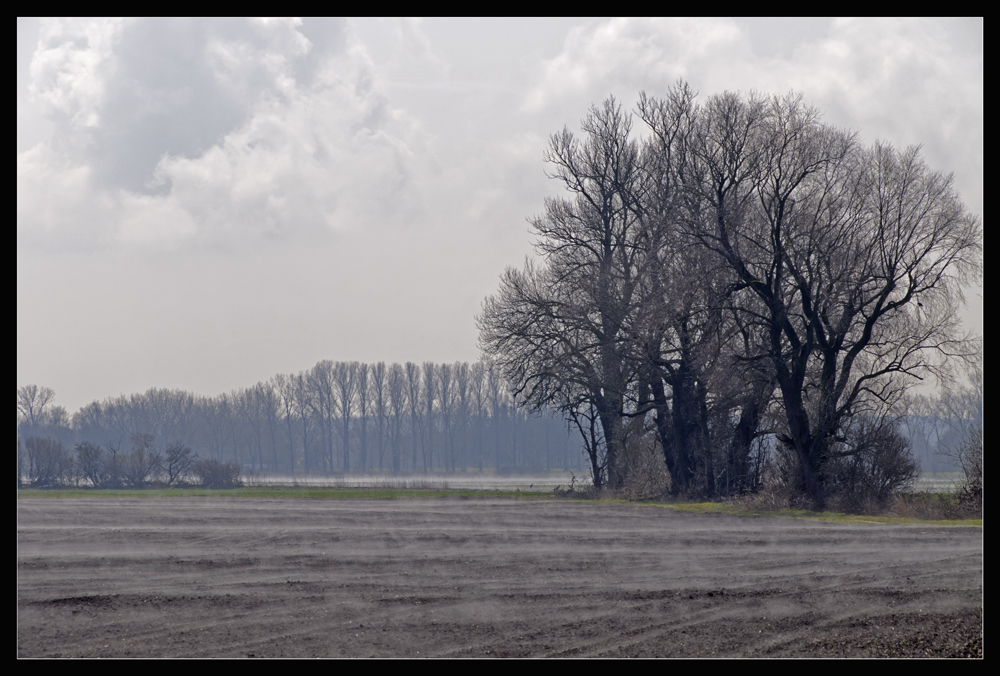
point(231, 577)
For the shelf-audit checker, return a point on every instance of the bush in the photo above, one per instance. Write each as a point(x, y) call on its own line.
point(178, 462)
point(877, 464)
point(644, 473)
point(769, 496)
point(930, 506)
point(142, 465)
point(970, 455)
point(215, 474)
point(47, 462)
point(97, 465)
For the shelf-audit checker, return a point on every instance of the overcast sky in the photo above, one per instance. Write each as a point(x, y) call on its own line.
point(202, 204)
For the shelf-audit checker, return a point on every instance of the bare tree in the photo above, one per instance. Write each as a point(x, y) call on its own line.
point(496, 400)
point(557, 333)
point(31, 402)
point(92, 463)
point(380, 414)
point(430, 396)
point(177, 462)
point(398, 401)
point(142, 462)
point(303, 410)
point(48, 461)
point(690, 338)
point(251, 407)
point(462, 383)
point(415, 400)
point(322, 405)
point(285, 386)
point(850, 256)
point(446, 401)
point(959, 408)
point(479, 404)
point(345, 376)
point(746, 251)
point(217, 417)
point(270, 406)
point(364, 406)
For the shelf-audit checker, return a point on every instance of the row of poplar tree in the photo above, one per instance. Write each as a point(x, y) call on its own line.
point(335, 417)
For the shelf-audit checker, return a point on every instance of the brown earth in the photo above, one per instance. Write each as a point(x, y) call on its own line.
point(230, 577)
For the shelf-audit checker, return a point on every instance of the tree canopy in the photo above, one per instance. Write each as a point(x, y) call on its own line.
point(744, 270)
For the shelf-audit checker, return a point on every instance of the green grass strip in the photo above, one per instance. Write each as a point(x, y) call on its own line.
point(279, 492)
point(342, 493)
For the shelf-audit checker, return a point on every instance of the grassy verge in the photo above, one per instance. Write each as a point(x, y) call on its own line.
point(903, 513)
point(278, 492)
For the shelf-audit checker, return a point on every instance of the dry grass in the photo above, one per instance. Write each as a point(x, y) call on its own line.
point(934, 506)
point(919, 506)
point(645, 473)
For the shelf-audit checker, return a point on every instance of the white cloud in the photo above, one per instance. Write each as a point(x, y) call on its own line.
point(185, 130)
point(415, 45)
point(625, 55)
point(901, 80)
point(69, 65)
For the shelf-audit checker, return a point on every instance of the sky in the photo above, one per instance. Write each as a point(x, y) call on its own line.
point(203, 204)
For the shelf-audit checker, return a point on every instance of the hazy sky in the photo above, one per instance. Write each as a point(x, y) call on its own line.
point(202, 204)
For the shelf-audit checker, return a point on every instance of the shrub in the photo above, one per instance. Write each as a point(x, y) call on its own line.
point(48, 463)
point(215, 474)
point(931, 506)
point(178, 462)
point(140, 467)
point(644, 473)
point(970, 455)
point(96, 465)
point(875, 465)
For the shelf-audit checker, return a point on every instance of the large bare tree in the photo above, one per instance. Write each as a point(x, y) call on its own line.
point(849, 256)
point(558, 331)
point(747, 250)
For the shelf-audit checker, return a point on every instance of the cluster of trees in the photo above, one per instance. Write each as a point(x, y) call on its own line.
point(46, 461)
point(742, 276)
point(334, 417)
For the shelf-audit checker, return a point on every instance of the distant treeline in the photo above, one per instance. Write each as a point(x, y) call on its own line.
point(295, 424)
point(335, 417)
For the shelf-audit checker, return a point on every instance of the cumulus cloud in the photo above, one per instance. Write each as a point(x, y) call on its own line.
point(900, 80)
point(624, 55)
point(414, 44)
point(68, 69)
point(176, 130)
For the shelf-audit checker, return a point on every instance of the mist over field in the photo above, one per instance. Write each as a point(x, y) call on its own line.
point(482, 578)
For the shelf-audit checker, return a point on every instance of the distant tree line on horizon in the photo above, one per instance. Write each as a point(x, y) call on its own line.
point(161, 434)
point(336, 417)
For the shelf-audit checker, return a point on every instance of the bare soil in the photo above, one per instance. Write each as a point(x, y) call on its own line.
point(230, 577)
